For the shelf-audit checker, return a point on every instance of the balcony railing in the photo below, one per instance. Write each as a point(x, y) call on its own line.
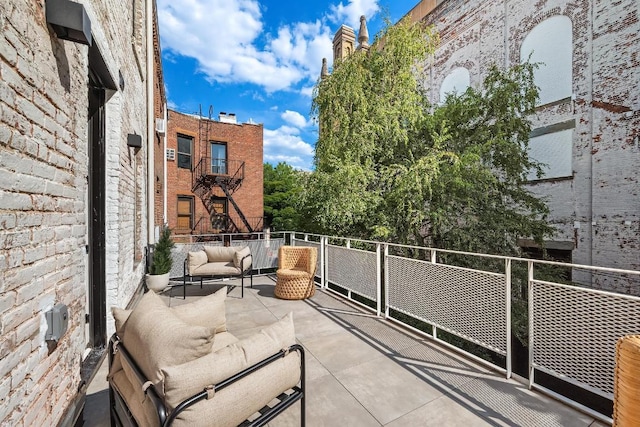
point(457, 297)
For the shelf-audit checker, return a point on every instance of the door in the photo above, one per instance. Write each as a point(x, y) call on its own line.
point(218, 158)
point(96, 285)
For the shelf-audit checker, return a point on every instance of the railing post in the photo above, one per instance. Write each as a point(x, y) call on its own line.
point(322, 262)
point(326, 261)
point(386, 281)
point(507, 273)
point(378, 281)
point(433, 256)
point(530, 304)
point(348, 244)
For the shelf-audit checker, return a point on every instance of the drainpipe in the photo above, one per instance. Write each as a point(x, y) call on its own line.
point(164, 166)
point(150, 127)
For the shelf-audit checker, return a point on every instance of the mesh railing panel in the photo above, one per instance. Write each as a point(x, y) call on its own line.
point(469, 303)
point(306, 243)
point(264, 252)
point(353, 269)
point(575, 331)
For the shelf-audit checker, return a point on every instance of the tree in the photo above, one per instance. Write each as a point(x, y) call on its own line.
point(390, 165)
point(282, 188)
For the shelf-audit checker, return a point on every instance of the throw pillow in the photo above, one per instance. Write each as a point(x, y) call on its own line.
point(208, 311)
point(237, 259)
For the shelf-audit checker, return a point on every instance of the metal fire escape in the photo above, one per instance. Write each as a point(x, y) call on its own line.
point(214, 179)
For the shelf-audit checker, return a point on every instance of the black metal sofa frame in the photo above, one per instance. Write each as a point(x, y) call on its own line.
point(122, 417)
point(216, 276)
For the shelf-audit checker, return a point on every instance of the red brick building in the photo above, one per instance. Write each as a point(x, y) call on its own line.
point(214, 175)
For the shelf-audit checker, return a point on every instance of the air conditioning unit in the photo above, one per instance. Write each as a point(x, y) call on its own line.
point(171, 154)
point(161, 126)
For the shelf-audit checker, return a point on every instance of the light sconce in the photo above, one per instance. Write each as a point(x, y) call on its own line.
point(69, 20)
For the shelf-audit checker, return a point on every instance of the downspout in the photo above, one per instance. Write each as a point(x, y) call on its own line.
point(150, 128)
point(164, 166)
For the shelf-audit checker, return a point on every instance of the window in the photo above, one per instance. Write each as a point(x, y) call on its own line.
point(550, 43)
point(219, 217)
point(456, 82)
point(185, 213)
point(218, 158)
point(185, 145)
point(553, 148)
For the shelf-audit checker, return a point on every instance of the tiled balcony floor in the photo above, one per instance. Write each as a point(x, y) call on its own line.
point(362, 371)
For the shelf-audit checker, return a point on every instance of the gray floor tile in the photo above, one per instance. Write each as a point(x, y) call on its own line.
point(386, 388)
point(328, 404)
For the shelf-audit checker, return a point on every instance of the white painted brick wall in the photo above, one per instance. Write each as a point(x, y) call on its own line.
point(43, 198)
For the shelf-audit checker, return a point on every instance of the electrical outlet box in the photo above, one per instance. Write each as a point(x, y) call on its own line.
point(57, 322)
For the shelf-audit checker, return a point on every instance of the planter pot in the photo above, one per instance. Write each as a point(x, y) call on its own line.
point(157, 282)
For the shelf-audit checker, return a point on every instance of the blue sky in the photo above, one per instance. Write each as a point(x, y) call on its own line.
point(259, 60)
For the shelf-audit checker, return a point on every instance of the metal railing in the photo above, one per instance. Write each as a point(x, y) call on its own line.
point(572, 329)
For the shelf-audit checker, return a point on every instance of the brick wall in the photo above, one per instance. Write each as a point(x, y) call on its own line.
point(43, 197)
point(598, 208)
point(244, 143)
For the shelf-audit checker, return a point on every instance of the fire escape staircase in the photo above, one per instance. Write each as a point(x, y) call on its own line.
point(216, 178)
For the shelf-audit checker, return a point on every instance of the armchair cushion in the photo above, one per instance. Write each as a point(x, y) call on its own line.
point(219, 253)
point(240, 254)
point(207, 311)
point(196, 259)
point(245, 396)
point(156, 337)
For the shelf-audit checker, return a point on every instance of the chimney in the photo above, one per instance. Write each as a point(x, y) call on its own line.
point(227, 118)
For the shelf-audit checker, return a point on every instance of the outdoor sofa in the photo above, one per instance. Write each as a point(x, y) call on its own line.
point(218, 261)
point(179, 366)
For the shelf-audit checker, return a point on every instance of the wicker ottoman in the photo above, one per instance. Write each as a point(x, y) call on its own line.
point(296, 270)
point(626, 392)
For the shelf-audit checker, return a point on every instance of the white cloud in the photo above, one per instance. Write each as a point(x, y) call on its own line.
point(285, 144)
point(294, 118)
point(225, 38)
point(350, 13)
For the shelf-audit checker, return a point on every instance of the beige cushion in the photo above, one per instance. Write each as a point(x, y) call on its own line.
point(141, 408)
point(222, 340)
point(120, 316)
point(238, 258)
point(195, 260)
point(183, 381)
point(207, 311)
point(156, 337)
point(217, 269)
point(220, 253)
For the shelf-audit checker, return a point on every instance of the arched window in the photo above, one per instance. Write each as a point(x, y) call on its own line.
point(456, 82)
point(550, 43)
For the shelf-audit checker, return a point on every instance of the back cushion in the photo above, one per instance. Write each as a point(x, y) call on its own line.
point(157, 338)
point(220, 253)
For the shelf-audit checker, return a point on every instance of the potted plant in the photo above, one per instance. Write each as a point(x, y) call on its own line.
point(160, 268)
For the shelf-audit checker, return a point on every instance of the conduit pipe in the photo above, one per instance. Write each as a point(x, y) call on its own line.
point(150, 124)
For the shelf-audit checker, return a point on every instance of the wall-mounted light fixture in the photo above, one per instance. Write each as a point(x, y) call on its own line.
point(134, 140)
point(69, 20)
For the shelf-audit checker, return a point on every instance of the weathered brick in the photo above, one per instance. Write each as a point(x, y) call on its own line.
point(29, 291)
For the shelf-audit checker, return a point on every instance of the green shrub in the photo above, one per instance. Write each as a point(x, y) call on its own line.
point(162, 261)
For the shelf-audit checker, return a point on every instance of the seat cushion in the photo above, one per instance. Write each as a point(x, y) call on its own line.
point(222, 340)
point(220, 268)
point(207, 311)
point(156, 337)
point(196, 259)
point(220, 253)
point(183, 381)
